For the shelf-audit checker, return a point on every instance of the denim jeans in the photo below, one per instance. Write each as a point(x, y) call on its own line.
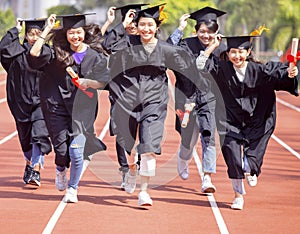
point(76, 150)
point(37, 155)
point(208, 152)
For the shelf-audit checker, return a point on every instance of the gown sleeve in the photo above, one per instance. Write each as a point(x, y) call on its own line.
point(278, 75)
point(47, 53)
point(114, 39)
point(175, 37)
point(10, 47)
point(99, 71)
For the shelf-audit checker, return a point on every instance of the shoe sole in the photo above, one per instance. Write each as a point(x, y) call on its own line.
point(236, 208)
point(146, 204)
point(35, 183)
point(183, 178)
point(208, 190)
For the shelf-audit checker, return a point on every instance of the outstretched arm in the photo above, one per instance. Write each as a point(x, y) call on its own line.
point(109, 20)
point(36, 48)
point(177, 35)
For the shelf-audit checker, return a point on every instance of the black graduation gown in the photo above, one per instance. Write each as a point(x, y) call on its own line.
point(22, 88)
point(246, 111)
point(139, 89)
point(205, 100)
point(68, 110)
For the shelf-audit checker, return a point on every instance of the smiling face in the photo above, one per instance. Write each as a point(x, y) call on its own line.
point(131, 29)
point(75, 37)
point(205, 35)
point(147, 29)
point(32, 35)
point(238, 56)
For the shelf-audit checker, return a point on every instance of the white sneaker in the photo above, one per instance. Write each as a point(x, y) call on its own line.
point(237, 203)
point(182, 168)
point(144, 199)
point(61, 179)
point(130, 182)
point(70, 196)
point(251, 180)
point(207, 186)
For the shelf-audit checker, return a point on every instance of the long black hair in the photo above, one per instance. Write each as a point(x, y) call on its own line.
point(93, 38)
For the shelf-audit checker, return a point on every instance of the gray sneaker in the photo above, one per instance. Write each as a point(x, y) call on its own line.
point(130, 182)
point(61, 180)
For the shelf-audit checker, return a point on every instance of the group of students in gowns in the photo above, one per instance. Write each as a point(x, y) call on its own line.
point(231, 92)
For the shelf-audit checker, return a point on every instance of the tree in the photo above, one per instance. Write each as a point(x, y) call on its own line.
point(280, 16)
point(7, 20)
point(286, 24)
point(174, 9)
point(62, 10)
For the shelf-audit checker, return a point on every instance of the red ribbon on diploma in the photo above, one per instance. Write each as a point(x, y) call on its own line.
point(76, 83)
point(293, 59)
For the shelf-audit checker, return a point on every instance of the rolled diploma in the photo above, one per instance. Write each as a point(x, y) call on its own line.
point(294, 50)
point(188, 108)
point(71, 72)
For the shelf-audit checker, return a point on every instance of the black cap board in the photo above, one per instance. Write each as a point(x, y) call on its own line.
point(151, 12)
point(34, 23)
point(74, 20)
point(206, 14)
point(239, 42)
point(126, 8)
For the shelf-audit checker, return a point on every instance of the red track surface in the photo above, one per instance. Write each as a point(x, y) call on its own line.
point(179, 207)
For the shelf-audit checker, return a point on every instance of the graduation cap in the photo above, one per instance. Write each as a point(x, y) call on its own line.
point(74, 20)
point(126, 8)
point(206, 14)
point(151, 12)
point(239, 42)
point(34, 23)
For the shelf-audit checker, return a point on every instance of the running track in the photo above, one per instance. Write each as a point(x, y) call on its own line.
point(179, 207)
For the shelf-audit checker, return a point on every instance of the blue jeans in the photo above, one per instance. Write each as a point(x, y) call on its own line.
point(35, 155)
point(76, 150)
point(208, 152)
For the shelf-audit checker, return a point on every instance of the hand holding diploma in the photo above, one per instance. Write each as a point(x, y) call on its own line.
point(188, 107)
point(75, 78)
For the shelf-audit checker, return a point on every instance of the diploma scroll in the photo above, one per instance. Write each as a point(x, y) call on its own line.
point(187, 110)
point(75, 78)
point(294, 51)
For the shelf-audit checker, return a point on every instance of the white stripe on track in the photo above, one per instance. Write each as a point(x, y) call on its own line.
point(220, 221)
point(279, 141)
point(288, 104)
point(7, 138)
point(53, 220)
point(3, 82)
point(286, 146)
point(2, 100)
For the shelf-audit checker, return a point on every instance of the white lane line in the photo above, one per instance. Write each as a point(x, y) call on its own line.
point(7, 138)
point(286, 146)
point(279, 141)
point(53, 220)
point(220, 221)
point(2, 100)
point(288, 104)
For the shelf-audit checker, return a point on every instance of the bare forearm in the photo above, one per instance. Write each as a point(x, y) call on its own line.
point(36, 48)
